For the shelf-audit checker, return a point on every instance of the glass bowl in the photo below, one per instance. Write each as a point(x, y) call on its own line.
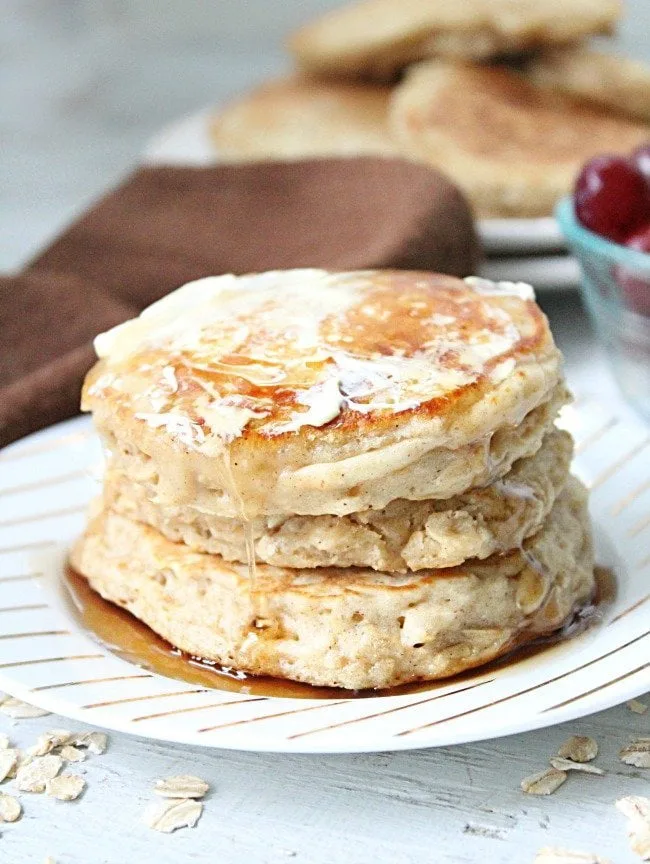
point(616, 289)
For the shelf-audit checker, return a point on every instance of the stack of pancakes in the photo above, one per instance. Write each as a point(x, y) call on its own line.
point(504, 96)
point(347, 479)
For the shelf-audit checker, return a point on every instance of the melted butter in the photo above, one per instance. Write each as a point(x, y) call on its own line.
point(257, 373)
point(504, 288)
point(127, 637)
point(323, 403)
point(178, 426)
point(227, 421)
point(314, 344)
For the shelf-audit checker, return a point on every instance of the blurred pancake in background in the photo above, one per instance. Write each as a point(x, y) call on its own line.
point(603, 79)
point(302, 117)
point(512, 147)
point(378, 38)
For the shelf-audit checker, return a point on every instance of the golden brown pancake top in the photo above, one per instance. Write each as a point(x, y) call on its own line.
point(277, 353)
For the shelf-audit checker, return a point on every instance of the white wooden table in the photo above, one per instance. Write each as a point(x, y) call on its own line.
point(84, 85)
point(460, 804)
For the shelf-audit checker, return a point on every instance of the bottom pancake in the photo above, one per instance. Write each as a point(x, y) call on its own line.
point(350, 628)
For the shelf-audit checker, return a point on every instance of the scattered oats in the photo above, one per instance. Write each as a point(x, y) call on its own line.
point(4, 742)
point(24, 758)
point(49, 741)
point(96, 742)
point(10, 808)
point(169, 815)
point(71, 754)
point(21, 710)
point(8, 762)
point(569, 765)
point(33, 776)
point(65, 787)
point(637, 753)
point(544, 782)
point(552, 855)
point(579, 748)
point(637, 706)
point(181, 786)
point(637, 810)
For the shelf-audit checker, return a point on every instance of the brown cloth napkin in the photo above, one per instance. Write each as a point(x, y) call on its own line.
point(166, 226)
point(47, 322)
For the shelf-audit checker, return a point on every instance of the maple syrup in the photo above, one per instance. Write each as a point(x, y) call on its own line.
point(249, 539)
point(132, 640)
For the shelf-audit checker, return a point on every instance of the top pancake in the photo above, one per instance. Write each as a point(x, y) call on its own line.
point(294, 391)
point(377, 38)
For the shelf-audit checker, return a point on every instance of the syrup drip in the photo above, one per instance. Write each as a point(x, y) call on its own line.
point(514, 490)
point(250, 556)
point(128, 638)
point(534, 563)
point(488, 460)
point(249, 540)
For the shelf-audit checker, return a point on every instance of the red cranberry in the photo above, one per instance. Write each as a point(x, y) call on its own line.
point(641, 158)
point(612, 197)
point(640, 239)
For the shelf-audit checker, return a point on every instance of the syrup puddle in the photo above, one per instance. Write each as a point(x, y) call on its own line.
point(127, 637)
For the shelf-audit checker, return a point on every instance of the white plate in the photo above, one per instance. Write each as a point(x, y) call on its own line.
point(46, 482)
point(187, 142)
point(545, 272)
point(521, 236)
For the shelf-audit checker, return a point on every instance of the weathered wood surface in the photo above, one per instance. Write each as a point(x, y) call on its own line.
point(448, 806)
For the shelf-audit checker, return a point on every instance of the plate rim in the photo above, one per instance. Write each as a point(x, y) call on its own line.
point(609, 694)
point(277, 745)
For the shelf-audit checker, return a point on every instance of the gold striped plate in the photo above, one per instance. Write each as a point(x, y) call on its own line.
point(46, 482)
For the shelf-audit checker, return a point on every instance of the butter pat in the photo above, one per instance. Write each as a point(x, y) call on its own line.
point(286, 350)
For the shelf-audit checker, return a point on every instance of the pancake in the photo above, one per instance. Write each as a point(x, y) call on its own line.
point(514, 148)
point(405, 535)
point(314, 393)
point(302, 117)
point(349, 628)
point(379, 37)
point(604, 79)
point(444, 473)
